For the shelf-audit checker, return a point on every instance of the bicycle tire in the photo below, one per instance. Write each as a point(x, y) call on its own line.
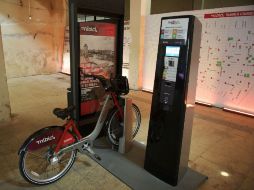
point(33, 164)
point(114, 127)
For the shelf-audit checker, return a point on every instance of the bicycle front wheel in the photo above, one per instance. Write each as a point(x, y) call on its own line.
point(115, 125)
point(38, 164)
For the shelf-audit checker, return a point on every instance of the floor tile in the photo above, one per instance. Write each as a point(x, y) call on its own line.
point(221, 141)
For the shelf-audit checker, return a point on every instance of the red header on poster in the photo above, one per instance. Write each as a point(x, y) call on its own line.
point(97, 29)
point(229, 14)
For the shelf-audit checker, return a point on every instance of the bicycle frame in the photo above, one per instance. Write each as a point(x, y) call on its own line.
point(52, 142)
point(85, 143)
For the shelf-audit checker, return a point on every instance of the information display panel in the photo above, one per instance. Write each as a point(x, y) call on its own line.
point(96, 32)
point(170, 68)
point(97, 57)
point(172, 51)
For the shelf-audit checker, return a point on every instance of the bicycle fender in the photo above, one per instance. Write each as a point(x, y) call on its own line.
point(46, 136)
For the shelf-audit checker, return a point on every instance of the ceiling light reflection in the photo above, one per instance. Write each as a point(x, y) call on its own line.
point(225, 174)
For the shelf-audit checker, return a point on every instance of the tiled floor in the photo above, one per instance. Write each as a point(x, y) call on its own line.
point(221, 141)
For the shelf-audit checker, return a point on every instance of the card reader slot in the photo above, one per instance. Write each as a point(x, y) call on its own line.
point(169, 84)
point(167, 92)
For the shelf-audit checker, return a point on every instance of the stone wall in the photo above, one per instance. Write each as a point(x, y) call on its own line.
point(32, 46)
point(4, 94)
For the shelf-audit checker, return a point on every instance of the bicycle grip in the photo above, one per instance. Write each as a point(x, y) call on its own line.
point(101, 78)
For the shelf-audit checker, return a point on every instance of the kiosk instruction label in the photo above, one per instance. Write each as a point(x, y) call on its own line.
point(170, 68)
point(174, 28)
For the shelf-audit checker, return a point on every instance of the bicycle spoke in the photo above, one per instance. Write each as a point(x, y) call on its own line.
point(38, 156)
point(39, 166)
point(64, 161)
point(114, 129)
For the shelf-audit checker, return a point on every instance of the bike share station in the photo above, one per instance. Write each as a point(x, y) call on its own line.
point(163, 163)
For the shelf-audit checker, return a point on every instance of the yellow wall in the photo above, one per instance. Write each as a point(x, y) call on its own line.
point(5, 109)
point(166, 6)
point(32, 46)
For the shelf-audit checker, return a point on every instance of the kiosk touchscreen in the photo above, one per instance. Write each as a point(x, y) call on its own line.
point(173, 99)
point(169, 75)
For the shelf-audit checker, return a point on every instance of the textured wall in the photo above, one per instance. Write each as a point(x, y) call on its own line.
point(127, 10)
point(210, 4)
point(166, 6)
point(32, 46)
point(4, 94)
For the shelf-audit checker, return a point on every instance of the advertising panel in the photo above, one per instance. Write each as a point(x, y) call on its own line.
point(97, 57)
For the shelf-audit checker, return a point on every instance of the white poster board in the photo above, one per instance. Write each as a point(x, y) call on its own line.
point(126, 48)
point(226, 69)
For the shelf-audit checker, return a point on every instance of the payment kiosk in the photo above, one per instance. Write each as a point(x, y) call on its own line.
point(171, 117)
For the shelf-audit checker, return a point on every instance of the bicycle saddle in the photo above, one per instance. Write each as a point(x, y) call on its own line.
point(63, 113)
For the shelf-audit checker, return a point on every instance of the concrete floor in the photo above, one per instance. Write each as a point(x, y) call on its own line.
point(221, 141)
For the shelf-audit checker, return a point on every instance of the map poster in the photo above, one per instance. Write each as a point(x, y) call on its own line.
point(226, 70)
point(97, 57)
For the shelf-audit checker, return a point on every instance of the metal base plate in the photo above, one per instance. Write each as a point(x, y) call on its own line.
point(129, 169)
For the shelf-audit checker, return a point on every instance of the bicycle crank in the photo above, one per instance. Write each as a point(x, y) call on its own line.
point(86, 148)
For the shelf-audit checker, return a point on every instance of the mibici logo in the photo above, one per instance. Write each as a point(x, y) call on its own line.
point(46, 139)
point(89, 29)
point(173, 22)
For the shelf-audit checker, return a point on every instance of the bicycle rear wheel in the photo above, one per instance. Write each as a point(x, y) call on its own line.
point(115, 125)
point(38, 164)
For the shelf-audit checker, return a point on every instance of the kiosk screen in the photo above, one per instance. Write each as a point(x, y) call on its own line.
point(172, 51)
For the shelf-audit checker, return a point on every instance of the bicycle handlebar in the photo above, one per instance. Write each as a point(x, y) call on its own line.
point(118, 85)
point(105, 82)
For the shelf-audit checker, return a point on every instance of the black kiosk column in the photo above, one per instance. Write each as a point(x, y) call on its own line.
point(170, 126)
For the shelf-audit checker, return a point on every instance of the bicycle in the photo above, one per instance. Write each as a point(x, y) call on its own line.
point(48, 154)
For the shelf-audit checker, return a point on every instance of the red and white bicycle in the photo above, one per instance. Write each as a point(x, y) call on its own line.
point(48, 154)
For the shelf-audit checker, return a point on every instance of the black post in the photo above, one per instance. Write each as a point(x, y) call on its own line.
point(74, 58)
